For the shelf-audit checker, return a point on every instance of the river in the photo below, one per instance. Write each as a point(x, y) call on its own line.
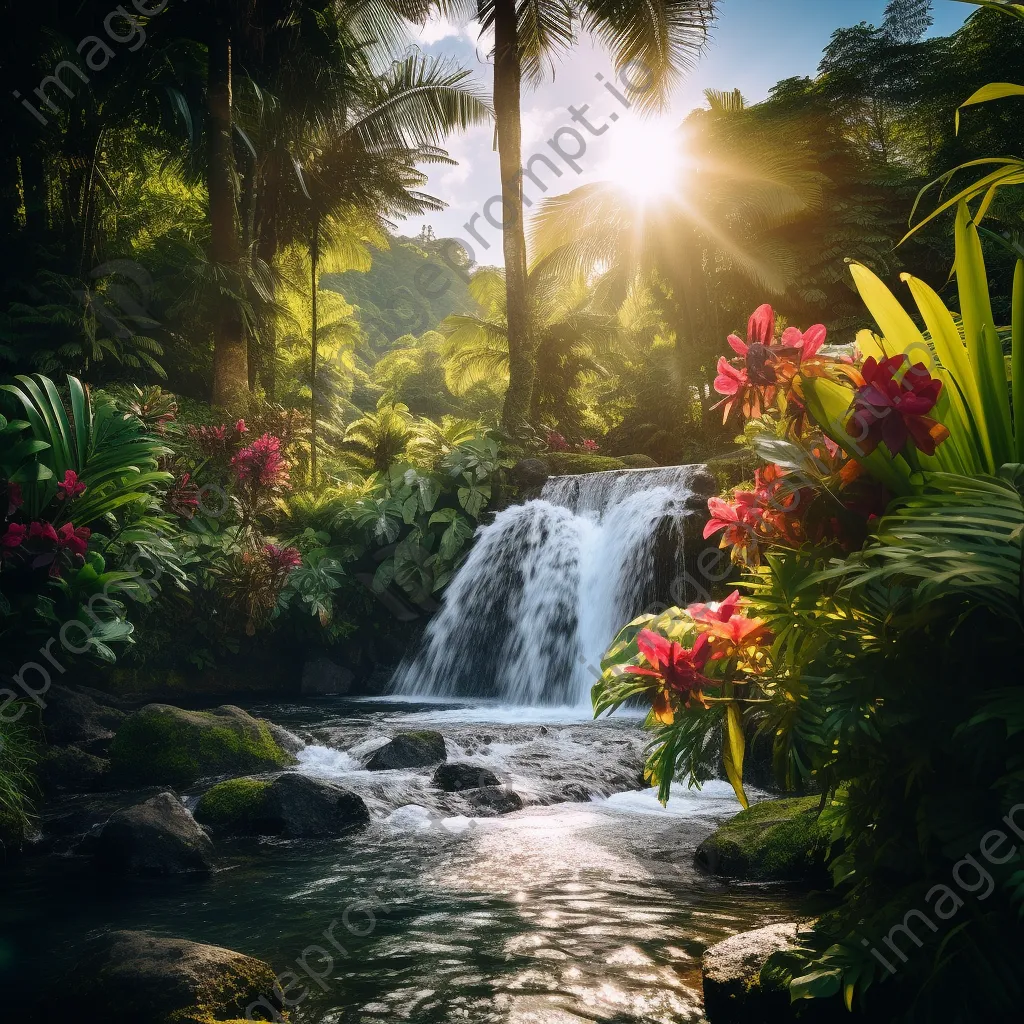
point(568, 910)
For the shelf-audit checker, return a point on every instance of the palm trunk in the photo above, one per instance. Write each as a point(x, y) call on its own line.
point(314, 259)
point(230, 358)
point(507, 93)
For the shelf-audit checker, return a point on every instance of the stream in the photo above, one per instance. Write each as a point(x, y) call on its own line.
point(582, 906)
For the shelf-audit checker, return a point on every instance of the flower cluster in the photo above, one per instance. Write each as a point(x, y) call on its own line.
point(215, 441)
point(70, 487)
point(39, 543)
point(555, 441)
point(261, 464)
point(282, 559)
point(726, 642)
point(590, 446)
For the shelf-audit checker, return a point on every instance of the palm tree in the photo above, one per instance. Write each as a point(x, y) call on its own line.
point(662, 37)
point(575, 336)
point(721, 229)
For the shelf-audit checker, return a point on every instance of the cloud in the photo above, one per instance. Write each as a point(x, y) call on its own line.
point(436, 29)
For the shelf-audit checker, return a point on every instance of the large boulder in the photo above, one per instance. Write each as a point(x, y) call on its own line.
point(530, 472)
point(292, 805)
point(321, 677)
point(165, 745)
point(459, 776)
point(158, 837)
point(775, 839)
point(736, 993)
point(71, 770)
point(139, 978)
point(408, 750)
point(493, 800)
point(77, 716)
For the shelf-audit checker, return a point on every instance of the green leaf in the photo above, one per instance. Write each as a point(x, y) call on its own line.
point(733, 751)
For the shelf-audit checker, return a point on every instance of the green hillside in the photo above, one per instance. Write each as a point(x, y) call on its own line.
point(410, 288)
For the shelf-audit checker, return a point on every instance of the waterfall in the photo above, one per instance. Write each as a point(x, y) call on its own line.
point(548, 584)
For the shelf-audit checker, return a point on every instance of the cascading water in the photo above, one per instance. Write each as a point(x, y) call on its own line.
point(547, 585)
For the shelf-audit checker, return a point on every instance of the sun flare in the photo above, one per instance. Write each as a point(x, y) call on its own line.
point(647, 161)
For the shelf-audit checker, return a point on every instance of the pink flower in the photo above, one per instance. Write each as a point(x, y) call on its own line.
point(14, 536)
point(282, 559)
point(806, 343)
point(69, 487)
point(723, 613)
point(240, 427)
point(556, 442)
point(74, 540)
point(590, 446)
point(42, 531)
point(261, 463)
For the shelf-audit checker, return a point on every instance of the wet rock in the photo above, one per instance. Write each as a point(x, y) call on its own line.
point(76, 716)
point(530, 472)
point(576, 792)
point(71, 770)
point(137, 978)
point(158, 837)
point(704, 483)
point(323, 678)
point(292, 805)
point(735, 993)
point(494, 800)
point(170, 746)
point(459, 776)
point(775, 839)
point(287, 741)
point(408, 750)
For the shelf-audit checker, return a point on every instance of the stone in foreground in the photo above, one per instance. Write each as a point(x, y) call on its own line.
point(459, 776)
point(138, 978)
point(408, 750)
point(735, 994)
point(493, 800)
point(775, 839)
point(168, 746)
point(158, 837)
point(293, 806)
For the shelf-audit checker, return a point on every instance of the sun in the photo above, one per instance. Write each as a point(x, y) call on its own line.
point(648, 161)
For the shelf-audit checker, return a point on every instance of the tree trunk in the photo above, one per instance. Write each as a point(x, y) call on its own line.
point(507, 92)
point(230, 362)
point(314, 259)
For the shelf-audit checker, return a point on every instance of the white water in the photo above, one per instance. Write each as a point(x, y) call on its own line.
point(546, 587)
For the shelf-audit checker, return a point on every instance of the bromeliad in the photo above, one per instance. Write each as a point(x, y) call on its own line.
point(677, 670)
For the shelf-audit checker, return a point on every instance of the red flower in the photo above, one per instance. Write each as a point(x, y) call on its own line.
point(76, 541)
point(803, 344)
point(737, 635)
point(42, 531)
point(895, 411)
point(590, 446)
point(739, 521)
point(14, 536)
point(282, 559)
point(261, 463)
point(240, 427)
point(753, 385)
point(69, 487)
point(676, 668)
point(556, 442)
point(724, 611)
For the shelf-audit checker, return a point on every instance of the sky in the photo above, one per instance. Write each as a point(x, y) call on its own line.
point(755, 44)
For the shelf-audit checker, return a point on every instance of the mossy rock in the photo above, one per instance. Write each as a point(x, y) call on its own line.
point(574, 463)
point(233, 804)
point(164, 745)
point(775, 839)
point(638, 462)
point(292, 805)
point(140, 978)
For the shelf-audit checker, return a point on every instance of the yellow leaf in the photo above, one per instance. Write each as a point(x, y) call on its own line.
point(735, 747)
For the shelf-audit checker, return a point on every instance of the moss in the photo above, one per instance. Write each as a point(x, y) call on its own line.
point(572, 463)
point(232, 804)
point(168, 746)
point(776, 839)
point(638, 462)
